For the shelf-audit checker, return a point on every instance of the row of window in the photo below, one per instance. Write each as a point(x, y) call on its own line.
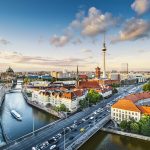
point(126, 112)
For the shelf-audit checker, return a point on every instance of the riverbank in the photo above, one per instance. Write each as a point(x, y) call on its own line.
point(137, 136)
point(48, 110)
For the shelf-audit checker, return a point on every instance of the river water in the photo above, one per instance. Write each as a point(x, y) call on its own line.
point(14, 128)
point(105, 141)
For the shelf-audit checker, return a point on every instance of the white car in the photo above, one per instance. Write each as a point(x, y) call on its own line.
point(91, 118)
point(52, 147)
point(33, 148)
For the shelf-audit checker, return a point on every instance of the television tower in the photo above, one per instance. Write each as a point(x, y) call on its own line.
point(104, 59)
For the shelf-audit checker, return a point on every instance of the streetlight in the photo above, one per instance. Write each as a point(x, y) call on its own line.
point(33, 121)
point(64, 138)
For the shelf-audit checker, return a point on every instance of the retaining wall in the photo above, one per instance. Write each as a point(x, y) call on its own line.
point(137, 136)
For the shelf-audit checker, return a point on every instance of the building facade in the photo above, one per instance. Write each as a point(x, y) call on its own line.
point(128, 108)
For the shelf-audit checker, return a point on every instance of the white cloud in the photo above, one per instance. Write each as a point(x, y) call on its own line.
point(86, 50)
point(91, 25)
point(4, 41)
point(133, 29)
point(59, 40)
point(96, 22)
point(141, 6)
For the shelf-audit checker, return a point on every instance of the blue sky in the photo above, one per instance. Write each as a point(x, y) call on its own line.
point(60, 34)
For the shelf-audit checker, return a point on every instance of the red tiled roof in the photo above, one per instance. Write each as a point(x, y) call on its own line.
point(89, 84)
point(144, 109)
point(126, 105)
point(138, 96)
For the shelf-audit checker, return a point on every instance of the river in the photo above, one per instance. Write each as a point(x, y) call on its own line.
point(106, 141)
point(14, 128)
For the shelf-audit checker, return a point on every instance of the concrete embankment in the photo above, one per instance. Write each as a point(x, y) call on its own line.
point(3, 90)
point(48, 110)
point(137, 136)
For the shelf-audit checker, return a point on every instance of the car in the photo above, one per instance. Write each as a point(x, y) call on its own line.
point(94, 113)
point(91, 118)
point(33, 148)
point(82, 130)
point(70, 138)
point(58, 136)
point(73, 126)
point(87, 118)
point(74, 130)
point(53, 147)
point(89, 122)
point(79, 122)
point(83, 120)
point(52, 140)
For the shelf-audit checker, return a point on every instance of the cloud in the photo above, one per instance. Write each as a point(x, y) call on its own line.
point(86, 50)
point(91, 25)
point(59, 41)
point(24, 61)
point(96, 22)
point(77, 41)
point(4, 41)
point(141, 6)
point(133, 29)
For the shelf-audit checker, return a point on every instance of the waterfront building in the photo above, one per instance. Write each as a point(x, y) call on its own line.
point(57, 97)
point(130, 107)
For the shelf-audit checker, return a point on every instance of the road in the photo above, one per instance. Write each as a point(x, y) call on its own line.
point(53, 130)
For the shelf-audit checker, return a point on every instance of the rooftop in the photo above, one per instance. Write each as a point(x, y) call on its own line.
point(126, 105)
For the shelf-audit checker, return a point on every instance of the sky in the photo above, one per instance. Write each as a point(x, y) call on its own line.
point(47, 35)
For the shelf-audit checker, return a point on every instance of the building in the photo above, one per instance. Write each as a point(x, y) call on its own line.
point(57, 97)
point(114, 76)
point(129, 107)
point(9, 75)
point(97, 72)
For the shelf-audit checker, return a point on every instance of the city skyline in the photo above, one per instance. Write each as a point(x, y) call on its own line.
point(55, 35)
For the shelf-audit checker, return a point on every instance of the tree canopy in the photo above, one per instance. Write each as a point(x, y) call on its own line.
point(146, 87)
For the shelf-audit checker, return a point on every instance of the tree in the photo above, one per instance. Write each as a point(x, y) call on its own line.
point(123, 125)
point(93, 96)
point(63, 107)
point(145, 129)
point(146, 87)
point(26, 80)
point(134, 127)
point(83, 103)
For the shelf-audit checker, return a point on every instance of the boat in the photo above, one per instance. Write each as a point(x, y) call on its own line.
point(16, 115)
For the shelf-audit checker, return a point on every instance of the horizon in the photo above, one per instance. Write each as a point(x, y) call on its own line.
point(61, 34)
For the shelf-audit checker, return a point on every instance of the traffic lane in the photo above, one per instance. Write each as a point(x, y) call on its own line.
point(85, 125)
point(78, 134)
